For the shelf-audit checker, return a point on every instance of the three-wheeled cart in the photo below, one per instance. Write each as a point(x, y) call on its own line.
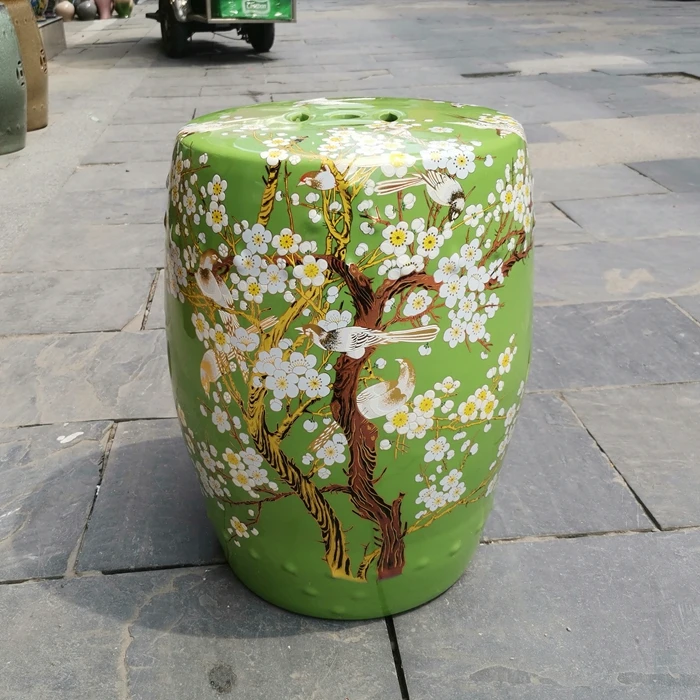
point(254, 20)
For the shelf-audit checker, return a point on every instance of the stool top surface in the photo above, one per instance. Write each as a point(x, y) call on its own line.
point(368, 131)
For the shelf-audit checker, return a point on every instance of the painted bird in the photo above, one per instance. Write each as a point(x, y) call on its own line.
point(322, 179)
point(209, 277)
point(353, 340)
point(383, 398)
point(214, 364)
point(441, 188)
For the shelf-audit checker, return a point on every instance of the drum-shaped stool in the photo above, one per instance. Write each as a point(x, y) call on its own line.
point(31, 48)
point(13, 88)
point(349, 308)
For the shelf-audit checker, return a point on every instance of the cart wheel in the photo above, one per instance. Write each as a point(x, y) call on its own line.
point(260, 37)
point(174, 34)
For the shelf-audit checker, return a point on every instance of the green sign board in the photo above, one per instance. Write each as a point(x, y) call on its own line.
point(272, 10)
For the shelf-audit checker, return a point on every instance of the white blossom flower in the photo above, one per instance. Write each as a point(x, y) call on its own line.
point(488, 407)
point(397, 164)
point(455, 334)
point(335, 319)
point(315, 385)
point(505, 360)
point(447, 267)
point(221, 339)
point(448, 385)
point(417, 303)
point(380, 363)
point(256, 238)
point(477, 278)
point(311, 271)
point(409, 199)
point(452, 479)
point(399, 421)
point(248, 263)
point(286, 242)
point(245, 339)
point(468, 410)
point(476, 328)
point(216, 216)
point(273, 156)
point(424, 349)
point(283, 384)
point(510, 415)
point(323, 473)
point(367, 228)
point(396, 239)
point(315, 215)
point(233, 459)
point(435, 450)
point(453, 289)
point(332, 452)
point(429, 243)
point(258, 475)
point(361, 249)
point(220, 420)
point(243, 480)
point(274, 279)
point(217, 188)
point(425, 404)
point(201, 326)
point(252, 289)
point(385, 445)
point(461, 163)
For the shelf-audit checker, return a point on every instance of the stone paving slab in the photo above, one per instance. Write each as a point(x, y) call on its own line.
point(178, 635)
point(132, 175)
point(116, 206)
point(556, 481)
point(48, 476)
point(678, 174)
point(582, 619)
point(138, 133)
point(84, 376)
point(690, 304)
point(648, 432)
point(110, 152)
point(558, 185)
point(553, 227)
point(595, 345)
point(65, 246)
point(150, 511)
point(71, 301)
point(605, 271)
point(644, 216)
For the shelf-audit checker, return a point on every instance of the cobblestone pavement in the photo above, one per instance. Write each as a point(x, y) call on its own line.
point(586, 586)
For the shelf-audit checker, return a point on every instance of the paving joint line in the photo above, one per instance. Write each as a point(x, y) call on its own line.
point(75, 553)
point(396, 653)
point(149, 300)
point(682, 310)
point(637, 497)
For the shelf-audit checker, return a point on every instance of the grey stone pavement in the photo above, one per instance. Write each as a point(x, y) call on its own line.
point(587, 585)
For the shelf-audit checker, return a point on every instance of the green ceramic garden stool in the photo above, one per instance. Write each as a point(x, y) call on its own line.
point(31, 48)
point(13, 89)
point(349, 305)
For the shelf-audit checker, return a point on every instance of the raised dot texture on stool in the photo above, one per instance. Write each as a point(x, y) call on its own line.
point(349, 304)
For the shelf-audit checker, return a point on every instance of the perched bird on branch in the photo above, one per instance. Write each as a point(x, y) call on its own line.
point(322, 179)
point(353, 340)
point(383, 398)
point(210, 279)
point(441, 188)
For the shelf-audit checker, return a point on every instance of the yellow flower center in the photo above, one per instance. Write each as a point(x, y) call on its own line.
point(216, 189)
point(509, 196)
point(488, 407)
point(400, 419)
point(254, 289)
point(397, 159)
point(281, 382)
point(461, 160)
point(217, 217)
point(505, 361)
point(286, 241)
point(425, 404)
point(469, 408)
point(199, 325)
point(397, 237)
point(429, 242)
point(311, 270)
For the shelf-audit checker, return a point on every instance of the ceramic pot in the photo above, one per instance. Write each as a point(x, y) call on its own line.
point(349, 305)
point(13, 88)
point(66, 10)
point(124, 8)
point(104, 8)
point(34, 62)
point(86, 10)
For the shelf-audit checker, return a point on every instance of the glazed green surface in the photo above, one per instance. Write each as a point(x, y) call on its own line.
point(349, 304)
point(13, 88)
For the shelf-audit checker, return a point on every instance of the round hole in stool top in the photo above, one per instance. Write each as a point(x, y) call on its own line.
point(349, 306)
